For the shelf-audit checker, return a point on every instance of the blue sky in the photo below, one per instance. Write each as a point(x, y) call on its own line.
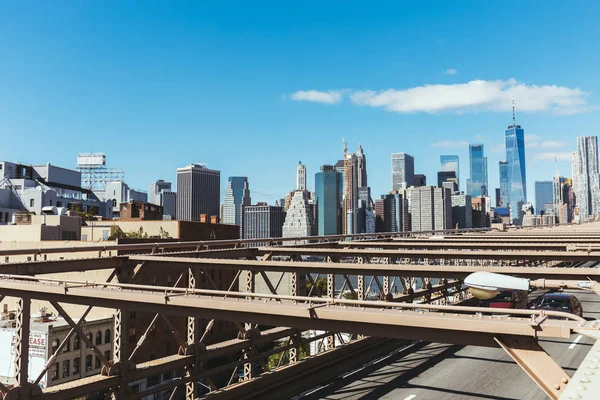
point(251, 88)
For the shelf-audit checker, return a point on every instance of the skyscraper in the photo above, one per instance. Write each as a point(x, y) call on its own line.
point(517, 181)
point(588, 180)
point(477, 170)
point(462, 211)
point(299, 217)
point(504, 183)
point(156, 188)
point(361, 165)
point(301, 176)
point(420, 180)
point(485, 177)
point(198, 192)
point(351, 193)
point(237, 196)
point(263, 221)
point(446, 176)
point(328, 195)
point(543, 195)
point(431, 208)
point(450, 163)
point(403, 171)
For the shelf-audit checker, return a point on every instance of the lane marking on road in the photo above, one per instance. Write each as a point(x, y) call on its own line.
point(577, 339)
point(412, 396)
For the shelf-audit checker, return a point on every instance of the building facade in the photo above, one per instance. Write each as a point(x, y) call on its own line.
point(301, 176)
point(141, 211)
point(237, 197)
point(161, 194)
point(462, 214)
point(198, 192)
point(517, 180)
point(431, 208)
point(544, 194)
point(403, 171)
point(588, 179)
point(478, 171)
point(263, 221)
point(328, 197)
point(420, 180)
point(299, 217)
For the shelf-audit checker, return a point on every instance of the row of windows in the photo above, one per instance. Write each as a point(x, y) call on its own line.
point(77, 344)
point(66, 366)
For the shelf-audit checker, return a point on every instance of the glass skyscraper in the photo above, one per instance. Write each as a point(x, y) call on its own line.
point(450, 163)
point(515, 157)
point(328, 194)
point(237, 196)
point(544, 194)
point(403, 171)
point(504, 186)
point(478, 171)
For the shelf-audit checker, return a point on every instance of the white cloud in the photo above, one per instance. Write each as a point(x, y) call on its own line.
point(562, 156)
point(473, 96)
point(448, 144)
point(450, 71)
point(330, 97)
point(553, 144)
point(532, 138)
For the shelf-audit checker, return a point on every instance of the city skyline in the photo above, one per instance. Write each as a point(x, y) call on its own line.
point(185, 78)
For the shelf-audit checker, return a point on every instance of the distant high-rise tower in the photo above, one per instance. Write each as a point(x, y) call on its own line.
point(504, 188)
point(198, 192)
point(161, 194)
point(328, 195)
point(485, 177)
point(420, 180)
point(403, 171)
point(351, 193)
point(156, 188)
point(299, 217)
point(431, 208)
point(575, 173)
point(237, 196)
point(517, 181)
point(263, 221)
point(361, 165)
point(588, 181)
point(477, 170)
point(301, 176)
point(450, 163)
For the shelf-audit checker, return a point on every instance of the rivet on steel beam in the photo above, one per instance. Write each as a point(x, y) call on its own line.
point(565, 380)
point(556, 386)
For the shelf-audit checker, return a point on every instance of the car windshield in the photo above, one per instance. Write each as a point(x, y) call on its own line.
point(554, 302)
point(505, 295)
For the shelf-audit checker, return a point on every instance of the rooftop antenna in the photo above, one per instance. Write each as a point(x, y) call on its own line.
point(514, 119)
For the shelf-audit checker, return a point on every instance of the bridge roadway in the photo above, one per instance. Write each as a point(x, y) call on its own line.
point(439, 371)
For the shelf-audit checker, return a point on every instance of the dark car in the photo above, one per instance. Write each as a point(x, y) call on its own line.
point(507, 299)
point(559, 302)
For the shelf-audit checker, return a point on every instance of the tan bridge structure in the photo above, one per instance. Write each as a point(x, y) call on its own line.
point(216, 282)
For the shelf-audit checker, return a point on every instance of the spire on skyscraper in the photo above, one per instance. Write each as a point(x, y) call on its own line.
point(513, 105)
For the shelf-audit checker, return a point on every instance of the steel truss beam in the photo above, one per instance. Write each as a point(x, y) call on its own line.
point(405, 270)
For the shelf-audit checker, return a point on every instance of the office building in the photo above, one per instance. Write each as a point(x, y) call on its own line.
point(299, 216)
point(543, 196)
point(237, 196)
point(517, 181)
point(301, 176)
point(563, 198)
point(328, 196)
point(361, 165)
point(431, 208)
point(161, 194)
point(481, 212)
point(449, 163)
point(157, 187)
point(263, 221)
point(403, 171)
point(588, 180)
point(141, 211)
point(350, 212)
point(118, 192)
point(478, 171)
point(420, 180)
point(504, 183)
point(446, 176)
point(462, 211)
point(392, 213)
point(575, 173)
point(498, 198)
point(198, 192)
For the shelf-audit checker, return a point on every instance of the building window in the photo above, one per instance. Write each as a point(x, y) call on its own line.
point(50, 201)
point(55, 345)
point(54, 371)
point(66, 368)
point(90, 339)
point(114, 203)
point(98, 338)
point(31, 202)
point(98, 362)
point(67, 346)
point(76, 342)
point(88, 362)
point(131, 335)
point(76, 366)
point(107, 336)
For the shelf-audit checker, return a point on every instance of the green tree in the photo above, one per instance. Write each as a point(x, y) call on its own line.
point(320, 288)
